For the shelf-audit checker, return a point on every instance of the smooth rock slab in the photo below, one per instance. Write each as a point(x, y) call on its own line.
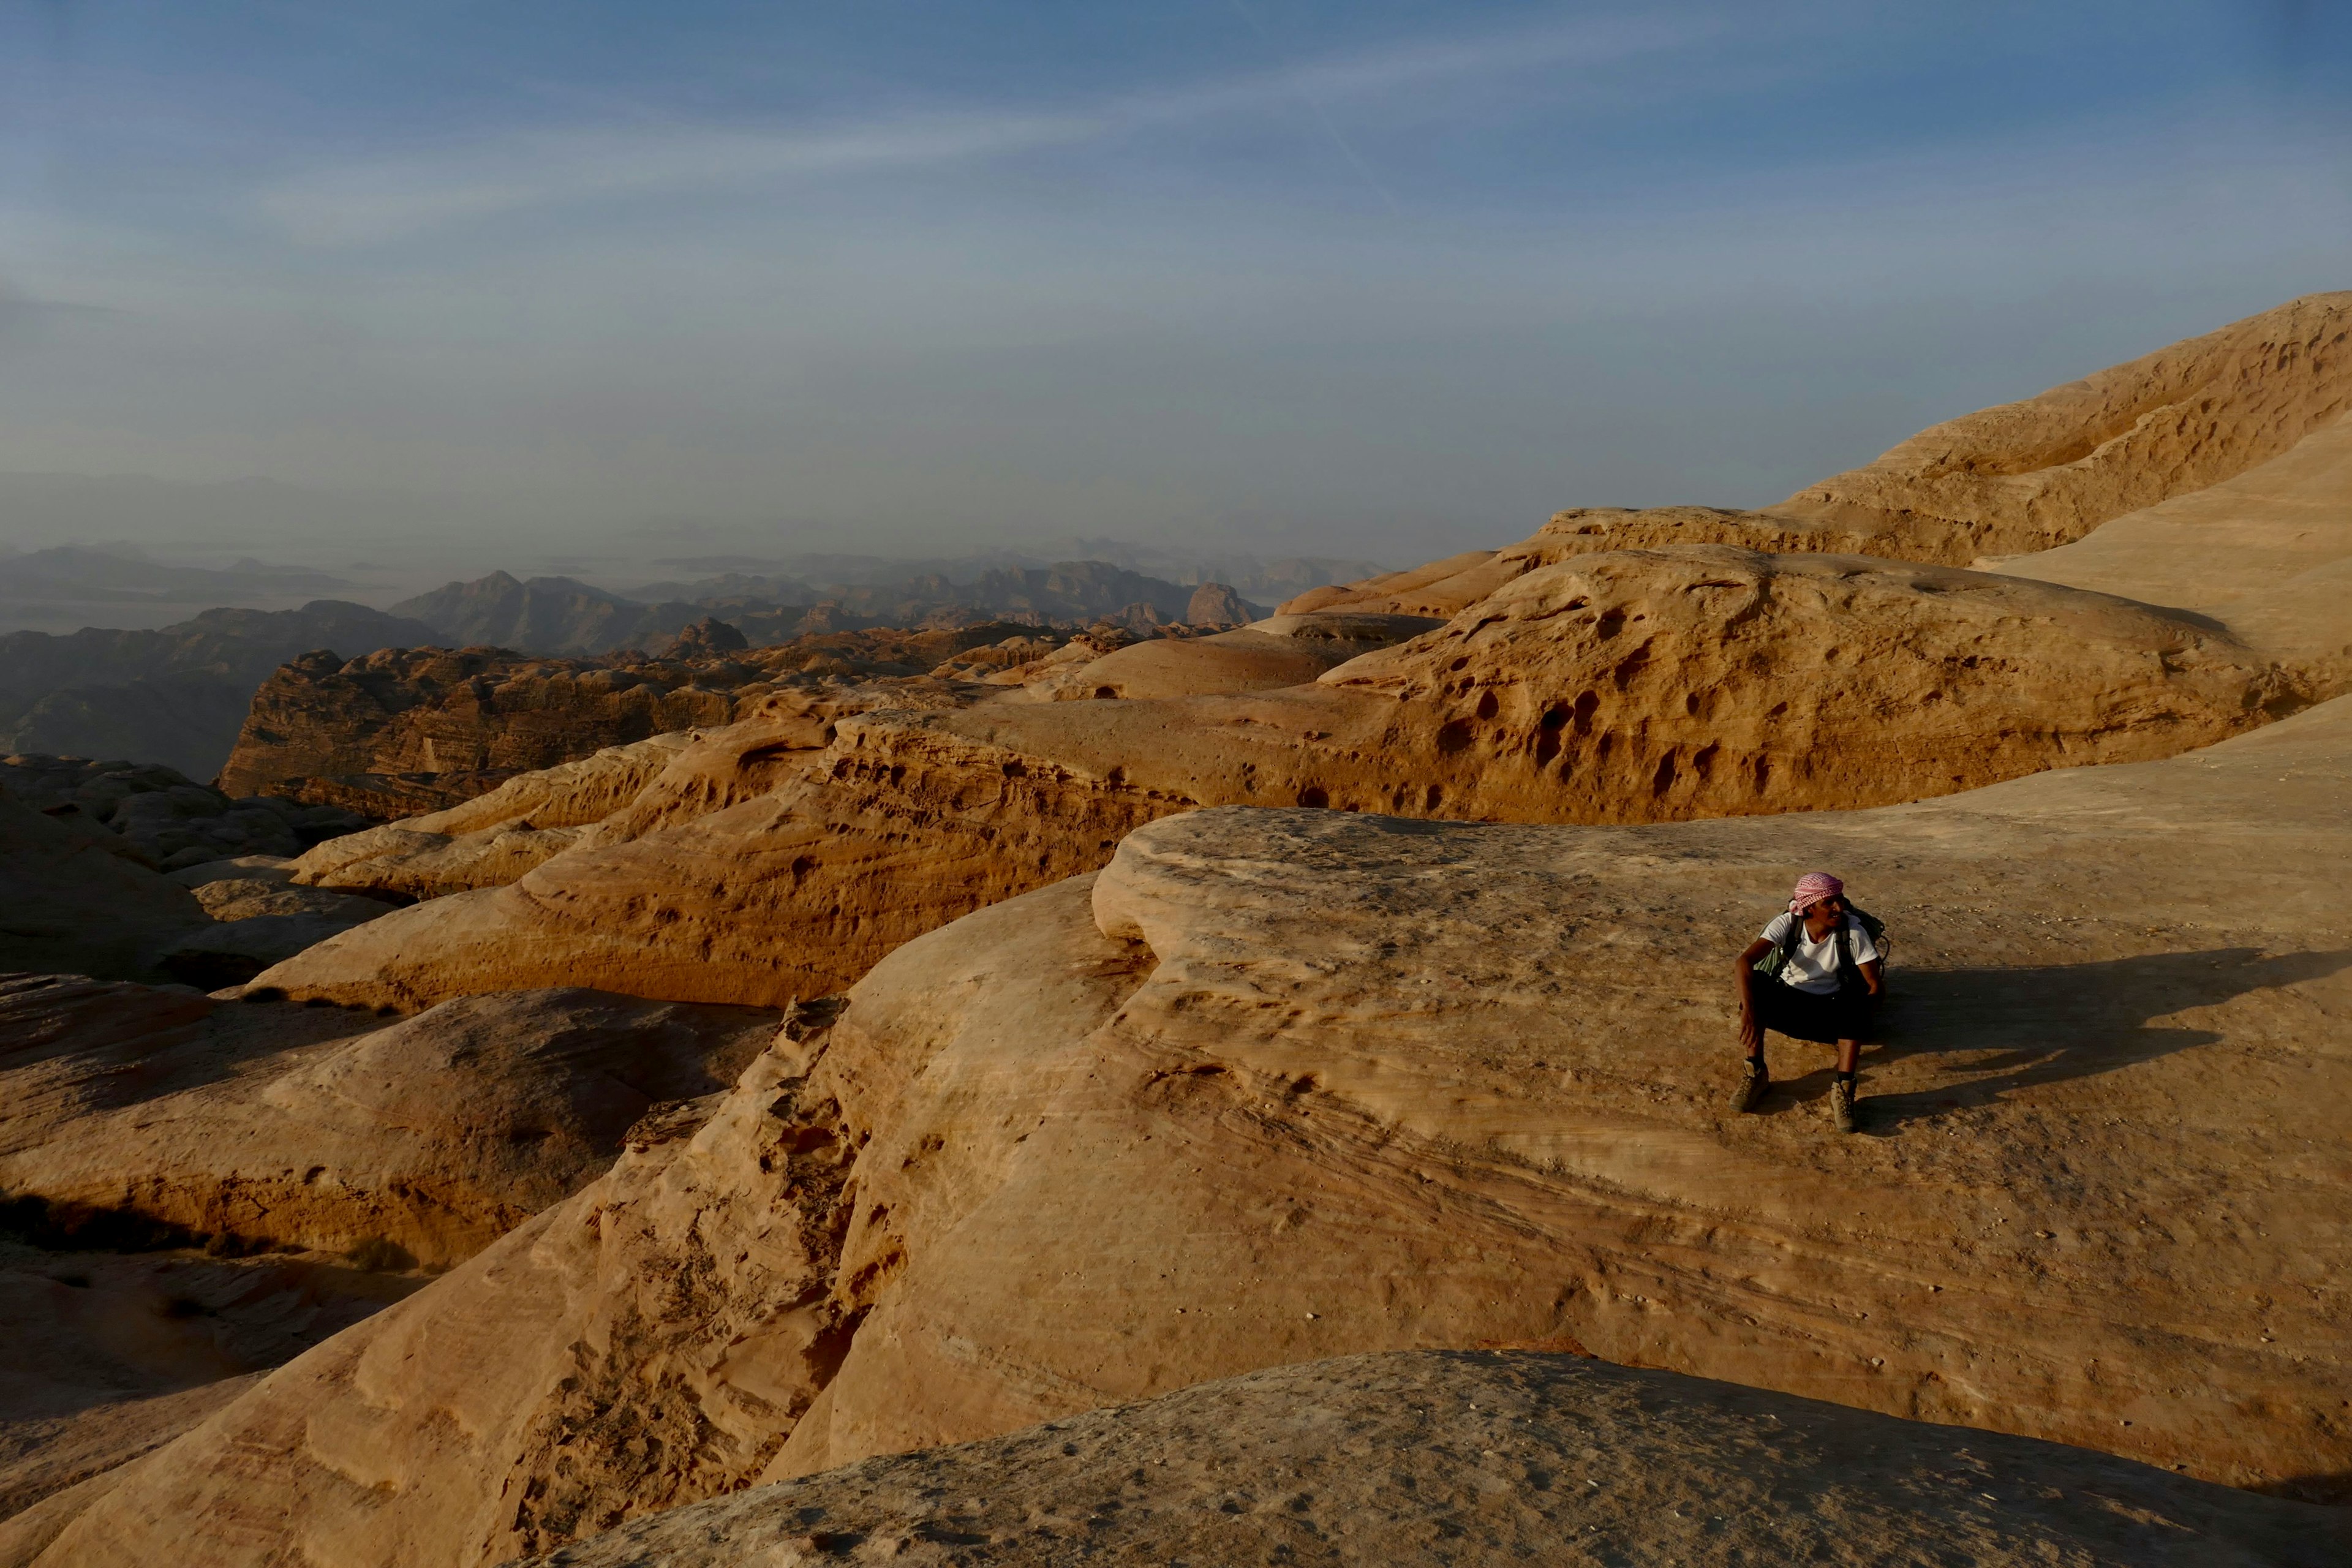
point(1467, 1458)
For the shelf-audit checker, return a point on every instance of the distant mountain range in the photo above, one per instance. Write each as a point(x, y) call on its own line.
point(564, 615)
point(175, 695)
point(178, 694)
point(72, 572)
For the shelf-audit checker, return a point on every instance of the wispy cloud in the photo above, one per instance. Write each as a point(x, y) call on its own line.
point(368, 202)
point(363, 203)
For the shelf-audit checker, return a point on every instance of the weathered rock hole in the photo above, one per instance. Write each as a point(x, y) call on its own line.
point(1314, 796)
point(1452, 736)
point(1488, 707)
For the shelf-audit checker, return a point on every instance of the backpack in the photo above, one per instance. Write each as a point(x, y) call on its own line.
point(1772, 963)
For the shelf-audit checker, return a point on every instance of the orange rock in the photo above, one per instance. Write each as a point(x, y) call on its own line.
point(1639, 685)
point(1279, 1086)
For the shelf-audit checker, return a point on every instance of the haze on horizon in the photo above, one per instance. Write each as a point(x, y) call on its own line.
point(602, 282)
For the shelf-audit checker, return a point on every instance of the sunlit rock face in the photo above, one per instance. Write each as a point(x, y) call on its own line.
point(1283, 1085)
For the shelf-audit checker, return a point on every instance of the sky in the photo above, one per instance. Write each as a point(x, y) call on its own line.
point(586, 281)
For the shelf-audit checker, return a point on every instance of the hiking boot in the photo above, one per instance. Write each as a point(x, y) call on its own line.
point(1753, 1081)
point(1842, 1106)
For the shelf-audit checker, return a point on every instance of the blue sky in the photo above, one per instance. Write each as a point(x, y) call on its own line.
point(1382, 277)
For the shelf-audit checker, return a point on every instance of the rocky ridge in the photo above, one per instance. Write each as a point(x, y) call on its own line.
point(173, 696)
point(263, 1127)
point(2022, 478)
point(164, 818)
point(1285, 1085)
point(1635, 686)
point(1482, 1458)
point(429, 728)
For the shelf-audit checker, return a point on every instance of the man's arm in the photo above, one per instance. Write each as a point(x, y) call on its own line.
point(1749, 1035)
point(1870, 972)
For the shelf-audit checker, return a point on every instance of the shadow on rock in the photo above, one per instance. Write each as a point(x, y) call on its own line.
point(2013, 1028)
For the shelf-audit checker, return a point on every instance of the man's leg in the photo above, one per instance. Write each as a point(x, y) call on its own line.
point(1749, 1093)
point(1841, 1087)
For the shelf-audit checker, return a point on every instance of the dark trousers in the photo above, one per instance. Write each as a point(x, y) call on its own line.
point(1842, 1015)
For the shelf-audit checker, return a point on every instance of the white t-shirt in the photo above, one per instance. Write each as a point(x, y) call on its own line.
point(1814, 966)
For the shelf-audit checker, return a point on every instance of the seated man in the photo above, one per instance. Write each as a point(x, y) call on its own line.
point(1813, 974)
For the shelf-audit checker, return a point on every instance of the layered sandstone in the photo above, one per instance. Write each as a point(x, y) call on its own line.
point(2045, 472)
point(160, 1114)
point(76, 898)
point(2031, 476)
point(1478, 1457)
point(2267, 556)
point(1285, 1085)
point(112, 1355)
point(1635, 686)
point(484, 713)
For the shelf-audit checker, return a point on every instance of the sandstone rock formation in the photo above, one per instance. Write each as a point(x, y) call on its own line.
point(1637, 686)
point(709, 637)
point(329, 729)
point(1285, 1085)
point(77, 898)
point(1284, 650)
point(2024, 477)
point(2042, 473)
point(166, 818)
point(1484, 1458)
point(112, 1355)
point(175, 695)
point(81, 897)
point(263, 1126)
point(2268, 555)
point(1217, 605)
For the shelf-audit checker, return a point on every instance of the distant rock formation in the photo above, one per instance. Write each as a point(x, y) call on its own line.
point(1217, 605)
point(80, 846)
point(543, 616)
point(168, 820)
point(707, 638)
point(175, 696)
point(554, 615)
point(1644, 686)
point(394, 723)
point(126, 576)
